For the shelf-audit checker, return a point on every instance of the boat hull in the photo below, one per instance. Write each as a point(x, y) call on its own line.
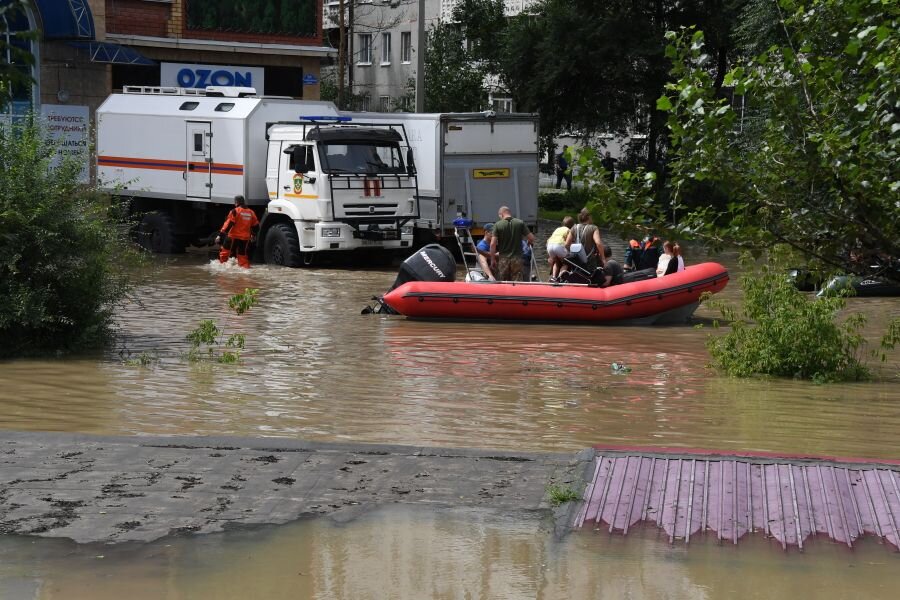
point(558, 302)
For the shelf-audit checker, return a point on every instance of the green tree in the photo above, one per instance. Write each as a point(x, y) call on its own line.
point(820, 172)
point(483, 23)
point(812, 160)
point(63, 254)
point(594, 66)
point(453, 82)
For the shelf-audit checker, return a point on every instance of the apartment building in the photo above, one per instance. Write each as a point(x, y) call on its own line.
point(382, 42)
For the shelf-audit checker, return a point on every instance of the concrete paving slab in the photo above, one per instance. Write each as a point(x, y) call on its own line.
point(115, 489)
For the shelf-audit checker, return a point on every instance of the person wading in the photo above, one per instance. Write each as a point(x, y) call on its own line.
point(506, 245)
point(238, 230)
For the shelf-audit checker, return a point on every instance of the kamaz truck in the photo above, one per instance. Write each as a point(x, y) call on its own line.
point(319, 181)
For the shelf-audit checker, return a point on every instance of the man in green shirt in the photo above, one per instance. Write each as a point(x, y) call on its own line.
point(506, 245)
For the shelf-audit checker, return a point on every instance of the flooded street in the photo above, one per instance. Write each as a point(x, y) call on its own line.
point(316, 369)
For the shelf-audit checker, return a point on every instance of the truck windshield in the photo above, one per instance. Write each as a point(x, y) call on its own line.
point(363, 159)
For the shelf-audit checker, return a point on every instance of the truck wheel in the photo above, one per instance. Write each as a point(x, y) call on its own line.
point(157, 234)
point(282, 246)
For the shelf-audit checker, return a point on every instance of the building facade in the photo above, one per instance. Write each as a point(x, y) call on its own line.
point(88, 48)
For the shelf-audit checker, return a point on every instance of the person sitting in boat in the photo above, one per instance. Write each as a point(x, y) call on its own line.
point(506, 245)
point(671, 260)
point(556, 247)
point(587, 235)
point(483, 248)
point(644, 254)
point(612, 271)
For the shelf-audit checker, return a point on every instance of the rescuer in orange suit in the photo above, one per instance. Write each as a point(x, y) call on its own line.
point(238, 230)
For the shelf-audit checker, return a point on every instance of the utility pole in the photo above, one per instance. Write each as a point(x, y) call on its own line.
point(420, 62)
point(342, 55)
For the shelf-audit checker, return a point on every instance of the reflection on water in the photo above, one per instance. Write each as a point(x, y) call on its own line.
point(317, 369)
point(417, 554)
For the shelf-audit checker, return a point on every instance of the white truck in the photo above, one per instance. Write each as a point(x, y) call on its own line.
point(470, 164)
point(319, 181)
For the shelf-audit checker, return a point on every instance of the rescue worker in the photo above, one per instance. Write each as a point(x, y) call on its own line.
point(506, 246)
point(238, 230)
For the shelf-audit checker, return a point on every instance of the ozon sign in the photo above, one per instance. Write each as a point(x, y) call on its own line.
point(200, 76)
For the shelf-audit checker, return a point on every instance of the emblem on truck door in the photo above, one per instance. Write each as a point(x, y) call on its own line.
point(298, 183)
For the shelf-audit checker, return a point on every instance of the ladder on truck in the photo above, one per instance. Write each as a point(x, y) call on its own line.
point(462, 230)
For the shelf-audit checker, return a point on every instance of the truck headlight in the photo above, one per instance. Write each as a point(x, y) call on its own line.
point(331, 232)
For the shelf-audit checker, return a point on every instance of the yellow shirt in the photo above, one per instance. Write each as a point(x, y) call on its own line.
point(558, 236)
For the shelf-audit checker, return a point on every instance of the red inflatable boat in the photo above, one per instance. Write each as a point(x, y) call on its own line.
point(672, 298)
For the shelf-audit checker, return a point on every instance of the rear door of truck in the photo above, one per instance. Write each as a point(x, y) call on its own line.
point(488, 163)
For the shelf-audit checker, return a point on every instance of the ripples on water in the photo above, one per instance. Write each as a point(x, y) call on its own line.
point(317, 369)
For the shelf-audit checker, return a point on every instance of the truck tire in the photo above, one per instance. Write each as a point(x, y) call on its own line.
point(156, 233)
point(282, 246)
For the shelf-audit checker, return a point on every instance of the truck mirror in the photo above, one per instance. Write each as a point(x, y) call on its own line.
point(410, 163)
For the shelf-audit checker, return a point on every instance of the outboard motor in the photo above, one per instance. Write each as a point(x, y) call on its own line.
point(430, 263)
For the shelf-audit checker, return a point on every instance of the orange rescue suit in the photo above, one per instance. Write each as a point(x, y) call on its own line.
point(239, 227)
point(240, 223)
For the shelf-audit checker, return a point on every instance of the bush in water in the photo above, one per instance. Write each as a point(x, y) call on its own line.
point(783, 332)
point(63, 254)
point(208, 335)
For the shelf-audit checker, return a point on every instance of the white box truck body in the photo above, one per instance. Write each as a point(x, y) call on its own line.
point(471, 164)
point(319, 182)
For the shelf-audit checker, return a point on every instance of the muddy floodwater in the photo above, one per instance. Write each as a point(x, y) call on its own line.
point(315, 368)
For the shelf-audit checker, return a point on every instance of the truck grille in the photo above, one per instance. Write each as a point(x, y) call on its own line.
point(369, 209)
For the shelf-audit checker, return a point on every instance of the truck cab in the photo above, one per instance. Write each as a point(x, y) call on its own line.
point(335, 186)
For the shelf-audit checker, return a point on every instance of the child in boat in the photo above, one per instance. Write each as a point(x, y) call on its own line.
point(556, 247)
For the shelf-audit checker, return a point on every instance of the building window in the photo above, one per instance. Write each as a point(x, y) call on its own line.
point(384, 104)
point(16, 47)
point(364, 103)
point(365, 49)
point(385, 48)
point(502, 105)
point(406, 47)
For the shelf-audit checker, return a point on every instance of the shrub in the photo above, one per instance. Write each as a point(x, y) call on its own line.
point(561, 494)
point(63, 257)
point(571, 200)
point(782, 332)
point(207, 336)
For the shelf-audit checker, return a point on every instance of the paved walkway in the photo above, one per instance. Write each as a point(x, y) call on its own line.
point(116, 489)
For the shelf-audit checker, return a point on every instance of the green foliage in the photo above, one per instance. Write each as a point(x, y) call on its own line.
point(560, 494)
point(815, 167)
point(64, 256)
point(483, 25)
point(591, 66)
point(330, 90)
point(453, 81)
point(570, 200)
point(241, 303)
point(782, 332)
point(208, 336)
point(143, 359)
point(278, 17)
